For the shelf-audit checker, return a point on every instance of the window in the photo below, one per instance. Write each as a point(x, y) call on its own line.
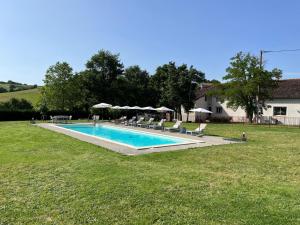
point(219, 109)
point(205, 98)
point(279, 111)
point(209, 108)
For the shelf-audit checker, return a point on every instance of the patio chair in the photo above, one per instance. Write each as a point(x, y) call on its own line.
point(137, 123)
point(158, 126)
point(198, 130)
point(147, 124)
point(130, 122)
point(176, 126)
point(120, 120)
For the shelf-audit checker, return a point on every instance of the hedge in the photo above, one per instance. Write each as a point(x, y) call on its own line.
point(6, 115)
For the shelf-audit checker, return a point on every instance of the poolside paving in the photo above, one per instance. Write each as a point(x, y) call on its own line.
point(205, 140)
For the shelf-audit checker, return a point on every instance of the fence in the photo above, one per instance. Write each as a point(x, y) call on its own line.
point(280, 120)
point(270, 120)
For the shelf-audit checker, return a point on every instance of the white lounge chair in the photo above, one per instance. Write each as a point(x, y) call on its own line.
point(158, 126)
point(122, 120)
point(137, 123)
point(176, 126)
point(198, 130)
point(147, 124)
point(131, 121)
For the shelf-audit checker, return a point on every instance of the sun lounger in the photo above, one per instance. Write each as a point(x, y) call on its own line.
point(137, 123)
point(198, 130)
point(131, 121)
point(120, 120)
point(147, 124)
point(176, 127)
point(158, 126)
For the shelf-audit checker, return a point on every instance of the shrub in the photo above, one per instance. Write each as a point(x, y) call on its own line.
point(2, 90)
point(16, 105)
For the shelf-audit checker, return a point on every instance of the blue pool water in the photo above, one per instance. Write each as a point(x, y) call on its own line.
point(126, 136)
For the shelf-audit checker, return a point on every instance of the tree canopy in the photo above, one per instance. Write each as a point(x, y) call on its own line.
point(106, 80)
point(248, 84)
point(58, 89)
point(15, 104)
point(175, 85)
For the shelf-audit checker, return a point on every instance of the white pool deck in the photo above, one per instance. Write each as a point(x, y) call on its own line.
point(203, 141)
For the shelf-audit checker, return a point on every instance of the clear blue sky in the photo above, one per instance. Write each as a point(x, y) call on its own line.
point(35, 34)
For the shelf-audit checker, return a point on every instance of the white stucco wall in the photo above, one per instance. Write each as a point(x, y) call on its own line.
point(239, 115)
point(293, 107)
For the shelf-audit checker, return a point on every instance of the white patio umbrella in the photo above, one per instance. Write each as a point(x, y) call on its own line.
point(200, 110)
point(148, 108)
point(164, 109)
point(102, 106)
point(116, 107)
point(136, 107)
point(125, 107)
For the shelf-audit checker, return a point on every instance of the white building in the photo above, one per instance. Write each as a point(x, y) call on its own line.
point(283, 108)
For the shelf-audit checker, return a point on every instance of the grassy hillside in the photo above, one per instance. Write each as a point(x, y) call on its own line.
point(15, 86)
point(32, 95)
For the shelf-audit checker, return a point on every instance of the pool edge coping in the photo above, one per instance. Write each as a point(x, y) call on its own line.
point(191, 141)
point(127, 151)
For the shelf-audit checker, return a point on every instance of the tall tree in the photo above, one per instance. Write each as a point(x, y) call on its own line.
point(59, 91)
point(247, 81)
point(137, 86)
point(102, 70)
point(190, 82)
point(176, 85)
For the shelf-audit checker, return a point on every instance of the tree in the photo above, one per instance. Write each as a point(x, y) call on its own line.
point(176, 85)
point(247, 80)
point(12, 87)
point(2, 90)
point(102, 70)
point(190, 82)
point(16, 105)
point(59, 91)
point(137, 82)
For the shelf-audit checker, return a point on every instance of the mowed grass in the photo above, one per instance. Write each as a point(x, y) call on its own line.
point(31, 95)
point(50, 178)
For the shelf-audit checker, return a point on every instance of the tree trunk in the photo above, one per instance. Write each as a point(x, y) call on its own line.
point(250, 117)
point(179, 113)
point(187, 116)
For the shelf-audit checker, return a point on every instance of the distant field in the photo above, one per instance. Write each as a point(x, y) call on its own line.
point(32, 95)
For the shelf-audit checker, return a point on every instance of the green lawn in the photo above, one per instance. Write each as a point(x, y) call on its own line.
point(32, 95)
point(49, 178)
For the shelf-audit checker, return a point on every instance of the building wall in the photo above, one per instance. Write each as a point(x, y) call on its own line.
point(239, 115)
point(293, 107)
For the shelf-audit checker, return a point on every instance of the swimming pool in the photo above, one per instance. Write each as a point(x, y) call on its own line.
point(128, 137)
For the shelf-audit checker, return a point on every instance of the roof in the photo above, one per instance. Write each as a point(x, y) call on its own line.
point(287, 89)
point(205, 87)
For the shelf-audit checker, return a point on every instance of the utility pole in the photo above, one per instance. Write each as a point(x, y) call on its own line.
point(258, 88)
point(259, 108)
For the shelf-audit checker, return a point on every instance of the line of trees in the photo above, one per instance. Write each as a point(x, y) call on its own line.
point(106, 80)
point(247, 85)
